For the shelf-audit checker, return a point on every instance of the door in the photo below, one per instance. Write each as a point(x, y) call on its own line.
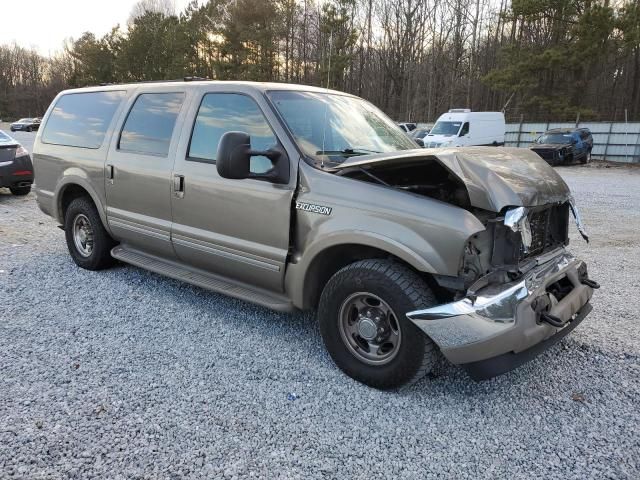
point(235, 228)
point(138, 172)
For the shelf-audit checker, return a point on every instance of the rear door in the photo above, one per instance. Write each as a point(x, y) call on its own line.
point(138, 169)
point(235, 228)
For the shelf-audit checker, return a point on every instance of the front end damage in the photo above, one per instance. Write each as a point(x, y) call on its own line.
point(518, 290)
point(501, 326)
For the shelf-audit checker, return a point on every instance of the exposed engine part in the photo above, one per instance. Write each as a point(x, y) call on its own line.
point(427, 178)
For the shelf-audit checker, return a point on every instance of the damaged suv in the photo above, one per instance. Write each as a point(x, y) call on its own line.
point(293, 197)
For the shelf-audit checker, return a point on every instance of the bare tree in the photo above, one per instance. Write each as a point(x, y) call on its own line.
point(164, 7)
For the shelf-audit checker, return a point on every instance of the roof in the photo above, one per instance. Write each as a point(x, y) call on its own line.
point(188, 83)
point(566, 130)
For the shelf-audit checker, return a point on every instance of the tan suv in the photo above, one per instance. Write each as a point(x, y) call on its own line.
point(295, 197)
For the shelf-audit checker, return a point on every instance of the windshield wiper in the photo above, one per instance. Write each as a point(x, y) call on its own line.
point(347, 151)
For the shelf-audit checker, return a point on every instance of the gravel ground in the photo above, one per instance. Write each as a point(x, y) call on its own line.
point(126, 374)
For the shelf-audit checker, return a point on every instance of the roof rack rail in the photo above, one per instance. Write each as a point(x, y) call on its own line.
point(184, 79)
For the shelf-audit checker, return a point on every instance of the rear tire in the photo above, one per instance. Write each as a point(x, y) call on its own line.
point(88, 241)
point(388, 286)
point(20, 191)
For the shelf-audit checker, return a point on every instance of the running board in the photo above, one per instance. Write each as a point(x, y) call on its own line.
point(203, 279)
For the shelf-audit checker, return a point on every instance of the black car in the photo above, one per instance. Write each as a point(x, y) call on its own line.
point(564, 146)
point(16, 169)
point(26, 124)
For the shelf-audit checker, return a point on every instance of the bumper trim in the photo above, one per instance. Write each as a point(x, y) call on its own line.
point(503, 318)
point(492, 367)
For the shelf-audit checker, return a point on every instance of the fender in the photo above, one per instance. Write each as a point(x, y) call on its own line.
point(77, 176)
point(298, 270)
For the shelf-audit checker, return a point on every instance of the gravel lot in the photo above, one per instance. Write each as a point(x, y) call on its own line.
point(126, 374)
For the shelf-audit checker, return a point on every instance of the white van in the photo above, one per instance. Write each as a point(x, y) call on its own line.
point(461, 127)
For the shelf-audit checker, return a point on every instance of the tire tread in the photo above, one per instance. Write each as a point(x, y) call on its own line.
point(414, 287)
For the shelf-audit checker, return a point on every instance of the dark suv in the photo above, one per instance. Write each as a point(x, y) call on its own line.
point(564, 145)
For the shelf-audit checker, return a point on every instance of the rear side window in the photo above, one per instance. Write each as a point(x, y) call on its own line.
point(81, 119)
point(220, 113)
point(149, 125)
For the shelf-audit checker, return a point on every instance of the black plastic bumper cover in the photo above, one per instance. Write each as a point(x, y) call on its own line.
point(492, 367)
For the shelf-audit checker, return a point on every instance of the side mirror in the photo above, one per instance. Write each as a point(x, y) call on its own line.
point(233, 159)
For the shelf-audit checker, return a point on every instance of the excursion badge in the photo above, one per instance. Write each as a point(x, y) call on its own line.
point(310, 207)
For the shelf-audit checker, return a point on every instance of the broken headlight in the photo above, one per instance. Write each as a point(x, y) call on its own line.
point(517, 220)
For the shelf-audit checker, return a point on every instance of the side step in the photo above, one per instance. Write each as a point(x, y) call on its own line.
point(203, 279)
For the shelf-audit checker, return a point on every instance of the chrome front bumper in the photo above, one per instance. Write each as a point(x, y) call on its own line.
point(502, 318)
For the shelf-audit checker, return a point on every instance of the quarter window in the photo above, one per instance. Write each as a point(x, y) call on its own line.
point(220, 113)
point(81, 119)
point(150, 123)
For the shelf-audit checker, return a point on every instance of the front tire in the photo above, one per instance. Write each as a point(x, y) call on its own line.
point(20, 191)
point(362, 318)
point(87, 240)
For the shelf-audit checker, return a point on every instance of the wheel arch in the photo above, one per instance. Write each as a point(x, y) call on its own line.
point(74, 186)
point(306, 279)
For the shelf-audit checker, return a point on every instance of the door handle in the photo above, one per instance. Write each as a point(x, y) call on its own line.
point(110, 171)
point(178, 186)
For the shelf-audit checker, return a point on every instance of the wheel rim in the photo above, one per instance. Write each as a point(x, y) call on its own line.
point(369, 328)
point(83, 235)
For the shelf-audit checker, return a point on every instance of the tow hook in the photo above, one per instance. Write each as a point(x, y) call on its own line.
point(590, 283)
point(551, 319)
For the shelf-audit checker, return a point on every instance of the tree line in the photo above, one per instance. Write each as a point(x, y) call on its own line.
point(543, 59)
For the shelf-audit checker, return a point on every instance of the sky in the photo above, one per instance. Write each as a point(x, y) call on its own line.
point(45, 24)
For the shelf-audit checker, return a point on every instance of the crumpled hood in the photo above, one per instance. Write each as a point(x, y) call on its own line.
point(495, 177)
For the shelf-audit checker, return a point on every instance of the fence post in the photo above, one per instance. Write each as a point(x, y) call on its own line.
point(606, 145)
point(520, 130)
point(626, 135)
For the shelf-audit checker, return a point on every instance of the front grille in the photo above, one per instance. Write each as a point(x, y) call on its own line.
point(538, 221)
point(546, 154)
point(549, 229)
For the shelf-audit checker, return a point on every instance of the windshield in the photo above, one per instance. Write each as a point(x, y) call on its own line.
point(4, 137)
point(446, 128)
point(333, 127)
point(555, 138)
point(22, 120)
